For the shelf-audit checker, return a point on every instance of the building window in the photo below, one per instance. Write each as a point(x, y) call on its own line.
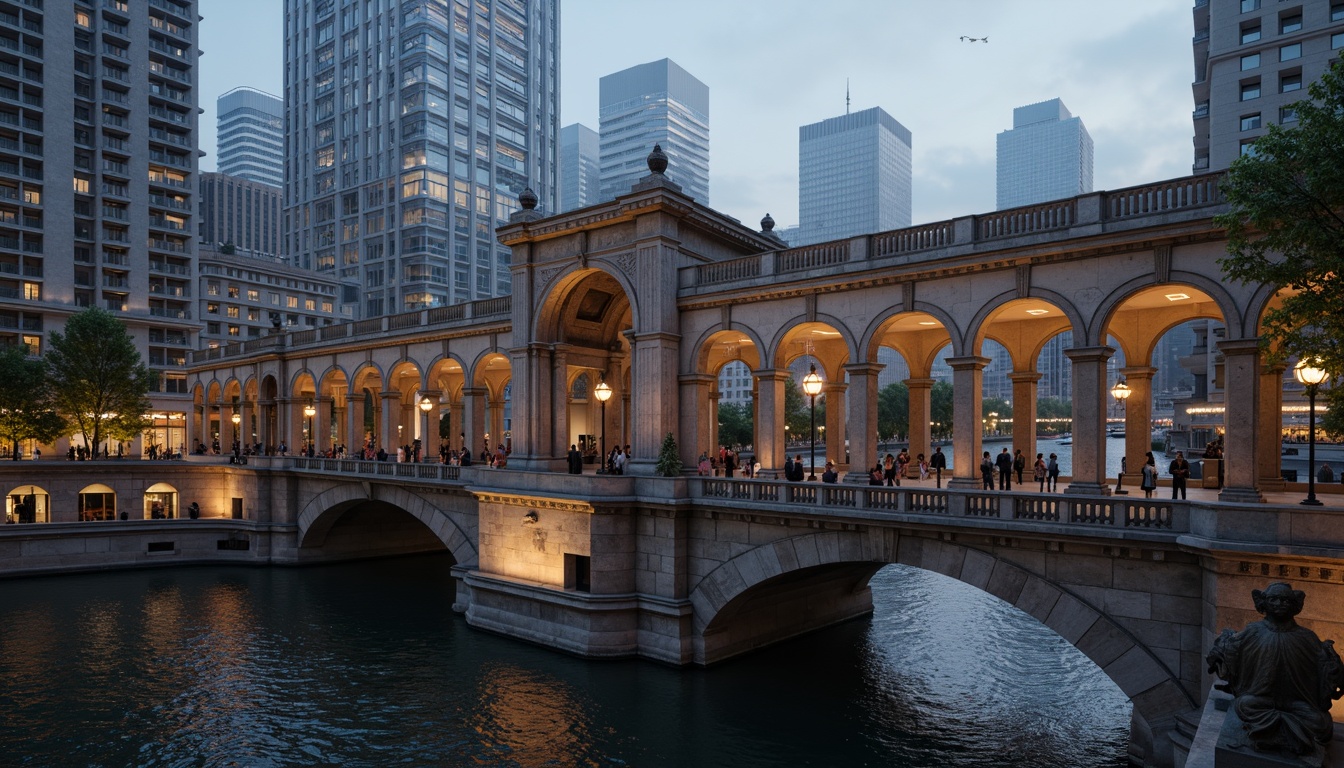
point(292, 302)
point(1290, 24)
point(310, 304)
point(1250, 5)
point(1337, 40)
point(233, 291)
point(1250, 34)
point(275, 299)
point(1289, 83)
point(212, 288)
point(1248, 148)
point(231, 311)
point(1337, 12)
point(212, 328)
point(1250, 61)
point(253, 294)
point(212, 308)
point(1288, 114)
point(1250, 90)
point(1290, 52)
point(1250, 122)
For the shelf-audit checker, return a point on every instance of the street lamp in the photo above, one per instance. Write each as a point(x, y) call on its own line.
point(1310, 375)
point(426, 405)
point(603, 393)
point(812, 388)
point(310, 412)
point(1121, 393)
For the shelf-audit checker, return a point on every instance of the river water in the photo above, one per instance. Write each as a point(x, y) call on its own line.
point(364, 664)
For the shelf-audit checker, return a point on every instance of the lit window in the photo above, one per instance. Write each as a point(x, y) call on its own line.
point(212, 288)
point(81, 186)
point(233, 330)
point(253, 294)
point(34, 344)
point(32, 291)
point(292, 302)
point(233, 291)
point(1250, 61)
point(1290, 52)
point(309, 304)
point(231, 311)
point(212, 308)
point(1250, 122)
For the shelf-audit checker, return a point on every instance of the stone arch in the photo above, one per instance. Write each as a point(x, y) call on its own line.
point(872, 335)
point(1155, 690)
point(323, 510)
point(1101, 318)
point(301, 377)
point(1023, 355)
point(704, 346)
point(772, 356)
point(554, 299)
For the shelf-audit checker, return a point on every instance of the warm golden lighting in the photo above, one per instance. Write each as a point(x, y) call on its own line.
point(1038, 311)
point(236, 419)
point(426, 404)
point(308, 410)
point(812, 383)
point(1309, 373)
point(1121, 391)
point(1177, 296)
point(602, 391)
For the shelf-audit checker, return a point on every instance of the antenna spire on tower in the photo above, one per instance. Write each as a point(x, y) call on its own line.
point(846, 95)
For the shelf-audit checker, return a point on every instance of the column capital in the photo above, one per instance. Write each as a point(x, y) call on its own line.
point(1089, 354)
point(697, 378)
point(862, 369)
point(834, 386)
point(968, 363)
point(1138, 371)
point(772, 374)
point(1239, 346)
point(388, 394)
point(1025, 377)
point(651, 336)
point(920, 383)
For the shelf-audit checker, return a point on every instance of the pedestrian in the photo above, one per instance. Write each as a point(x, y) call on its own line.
point(939, 463)
point(575, 460)
point(987, 472)
point(501, 457)
point(889, 469)
point(902, 462)
point(1019, 464)
point(877, 475)
point(1180, 470)
point(1052, 473)
point(829, 476)
point(1149, 481)
point(1325, 474)
point(788, 468)
point(702, 467)
point(1005, 464)
point(1038, 470)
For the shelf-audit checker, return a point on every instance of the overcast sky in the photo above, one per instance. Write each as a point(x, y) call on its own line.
point(773, 65)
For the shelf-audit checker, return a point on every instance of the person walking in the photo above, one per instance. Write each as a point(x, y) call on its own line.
point(902, 463)
point(575, 460)
point(1052, 473)
point(987, 472)
point(1179, 470)
point(1005, 464)
point(1038, 470)
point(788, 468)
point(889, 469)
point(1019, 464)
point(939, 463)
point(1149, 481)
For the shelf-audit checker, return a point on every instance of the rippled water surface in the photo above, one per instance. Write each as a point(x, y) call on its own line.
point(365, 665)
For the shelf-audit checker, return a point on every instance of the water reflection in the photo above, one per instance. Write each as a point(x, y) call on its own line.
point(365, 665)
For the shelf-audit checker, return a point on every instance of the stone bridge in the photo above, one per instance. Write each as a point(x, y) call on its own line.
point(695, 570)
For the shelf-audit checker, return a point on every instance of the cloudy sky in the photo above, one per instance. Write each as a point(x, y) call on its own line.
point(773, 65)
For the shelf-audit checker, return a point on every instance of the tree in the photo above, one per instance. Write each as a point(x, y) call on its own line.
point(669, 459)
point(26, 412)
point(796, 413)
point(940, 409)
point(1285, 227)
point(735, 424)
point(893, 410)
point(98, 380)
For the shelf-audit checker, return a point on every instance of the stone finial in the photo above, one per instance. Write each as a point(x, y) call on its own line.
point(528, 199)
point(527, 211)
point(768, 224)
point(657, 159)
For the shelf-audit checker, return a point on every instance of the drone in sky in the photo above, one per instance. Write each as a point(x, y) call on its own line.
point(966, 39)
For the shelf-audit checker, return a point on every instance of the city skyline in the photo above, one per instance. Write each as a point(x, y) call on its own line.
point(953, 98)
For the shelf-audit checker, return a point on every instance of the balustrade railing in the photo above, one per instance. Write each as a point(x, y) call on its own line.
point(814, 256)
point(912, 239)
point(1193, 192)
point(1028, 220)
point(419, 471)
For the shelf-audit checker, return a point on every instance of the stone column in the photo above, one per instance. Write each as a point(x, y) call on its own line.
point(560, 394)
point(714, 396)
point(456, 423)
point(245, 425)
point(354, 423)
point(338, 418)
point(1024, 416)
point(473, 419)
point(861, 419)
point(769, 425)
point(920, 414)
point(834, 444)
point(967, 419)
point(388, 421)
point(1270, 434)
point(1241, 385)
point(497, 422)
point(429, 425)
point(1138, 421)
point(654, 400)
point(697, 412)
point(322, 424)
point(1089, 420)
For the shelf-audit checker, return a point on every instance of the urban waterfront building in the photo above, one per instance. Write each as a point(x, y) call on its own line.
point(854, 176)
point(1047, 155)
point(251, 135)
point(654, 103)
point(580, 172)
point(98, 176)
point(412, 128)
point(240, 213)
point(248, 295)
point(1253, 60)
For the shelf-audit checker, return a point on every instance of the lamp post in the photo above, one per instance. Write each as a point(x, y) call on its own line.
point(812, 388)
point(603, 393)
point(426, 405)
point(1121, 393)
point(1310, 375)
point(310, 411)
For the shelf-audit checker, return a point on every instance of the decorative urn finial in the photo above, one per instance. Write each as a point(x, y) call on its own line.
point(767, 224)
point(657, 159)
point(528, 199)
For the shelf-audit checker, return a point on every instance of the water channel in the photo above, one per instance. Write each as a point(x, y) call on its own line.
point(364, 664)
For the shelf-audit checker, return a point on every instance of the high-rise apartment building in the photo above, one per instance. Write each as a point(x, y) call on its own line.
point(1253, 60)
point(248, 295)
point(240, 214)
point(579, 169)
point(854, 176)
point(98, 119)
point(654, 103)
point(412, 127)
point(251, 135)
point(1047, 155)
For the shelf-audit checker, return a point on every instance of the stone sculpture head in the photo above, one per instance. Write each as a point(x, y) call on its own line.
point(1279, 602)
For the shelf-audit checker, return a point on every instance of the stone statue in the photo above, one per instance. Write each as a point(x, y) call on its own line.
point(1283, 678)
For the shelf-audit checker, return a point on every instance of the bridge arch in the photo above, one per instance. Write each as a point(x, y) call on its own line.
point(324, 510)
point(1105, 315)
point(832, 568)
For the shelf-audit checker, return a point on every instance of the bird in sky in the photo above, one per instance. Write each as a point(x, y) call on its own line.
point(975, 39)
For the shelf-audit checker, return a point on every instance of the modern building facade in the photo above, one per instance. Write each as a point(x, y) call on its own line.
point(251, 135)
point(580, 171)
point(1253, 60)
point(412, 128)
point(98, 165)
point(245, 296)
point(654, 103)
point(241, 214)
point(854, 176)
point(1047, 155)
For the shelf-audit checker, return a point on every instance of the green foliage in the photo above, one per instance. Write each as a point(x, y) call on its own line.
point(735, 425)
point(98, 381)
point(1285, 228)
point(669, 458)
point(26, 411)
point(940, 409)
point(446, 426)
point(893, 410)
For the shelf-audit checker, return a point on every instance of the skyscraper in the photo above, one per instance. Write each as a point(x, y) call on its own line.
point(579, 170)
point(251, 135)
point(854, 176)
point(240, 213)
point(654, 103)
point(1253, 59)
point(98, 177)
point(411, 129)
point(1047, 155)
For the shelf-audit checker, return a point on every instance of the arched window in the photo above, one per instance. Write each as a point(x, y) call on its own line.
point(27, 504)
point(160, 502)
point(97, 502)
